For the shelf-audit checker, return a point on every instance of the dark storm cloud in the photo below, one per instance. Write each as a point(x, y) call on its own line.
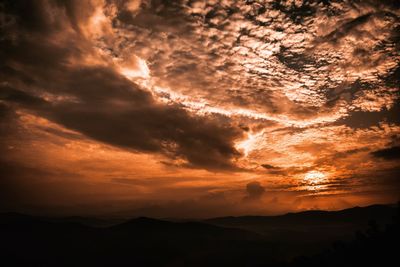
point(366, 119)
point(96, 100)
point(143, 125)
point(254, 191)
point(391, 153)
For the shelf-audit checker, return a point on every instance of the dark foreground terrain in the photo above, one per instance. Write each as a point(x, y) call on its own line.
point(354, 237)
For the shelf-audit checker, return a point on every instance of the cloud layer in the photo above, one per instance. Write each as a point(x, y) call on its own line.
point(203, 98)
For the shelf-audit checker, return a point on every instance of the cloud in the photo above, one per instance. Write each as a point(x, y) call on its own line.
point(234, 87)
point(20, 97)
point(366, 119)
point(268, 166)
point(60, 81)
point(391, 153)
point(254, 191)
point(346, 29)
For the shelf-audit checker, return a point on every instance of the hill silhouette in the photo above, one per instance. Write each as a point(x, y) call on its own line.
point(228, 241)
point(315, 224)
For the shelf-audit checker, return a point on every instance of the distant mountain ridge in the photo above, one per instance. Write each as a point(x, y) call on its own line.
point(228, 241)
point(362, 213)
point(355, 213)
point(314, 225)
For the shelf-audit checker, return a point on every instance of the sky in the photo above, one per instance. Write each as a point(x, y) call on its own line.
point(197, 109)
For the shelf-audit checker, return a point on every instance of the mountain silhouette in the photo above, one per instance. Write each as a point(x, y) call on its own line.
point(322, 224)
point(229, 241)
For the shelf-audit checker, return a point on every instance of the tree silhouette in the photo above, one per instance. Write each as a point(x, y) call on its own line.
point(373, 247)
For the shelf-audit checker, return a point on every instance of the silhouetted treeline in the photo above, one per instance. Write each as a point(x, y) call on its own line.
point(377, 246)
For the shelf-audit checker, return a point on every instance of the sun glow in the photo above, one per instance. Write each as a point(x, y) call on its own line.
point(314, 177)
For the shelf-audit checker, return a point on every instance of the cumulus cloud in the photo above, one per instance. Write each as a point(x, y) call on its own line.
point(254, 191)
point(273, 58)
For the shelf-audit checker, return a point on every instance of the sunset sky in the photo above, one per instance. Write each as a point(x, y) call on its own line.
point(198, 109)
